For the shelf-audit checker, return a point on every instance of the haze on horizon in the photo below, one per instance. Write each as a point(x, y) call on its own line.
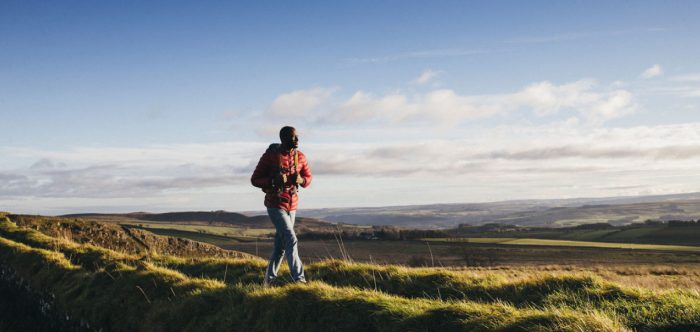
point(162, 106)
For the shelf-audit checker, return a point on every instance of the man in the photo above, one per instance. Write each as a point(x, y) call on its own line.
point(280, 172)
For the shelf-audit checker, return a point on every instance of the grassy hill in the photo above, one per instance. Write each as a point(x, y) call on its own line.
point(81, 286)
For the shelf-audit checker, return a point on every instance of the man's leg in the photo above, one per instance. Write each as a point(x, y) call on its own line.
point(278, 248)
point(296, 268)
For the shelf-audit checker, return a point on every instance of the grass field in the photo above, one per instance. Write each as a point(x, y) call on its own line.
point(565, 243)
point(231, 231)
point(88, 285)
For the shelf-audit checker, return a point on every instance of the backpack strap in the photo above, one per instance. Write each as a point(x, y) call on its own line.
point(296, 167)
point(296, 161)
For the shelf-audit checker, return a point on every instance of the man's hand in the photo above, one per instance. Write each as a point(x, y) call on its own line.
point(298, 179)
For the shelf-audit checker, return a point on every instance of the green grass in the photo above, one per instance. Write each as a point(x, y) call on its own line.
point(229, 231)
point(218, 240)
point(565, 243)
point(118, 291)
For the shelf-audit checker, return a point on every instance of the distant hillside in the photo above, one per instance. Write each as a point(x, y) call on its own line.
point(549, 213)
point(545, 213)
point(211, 217)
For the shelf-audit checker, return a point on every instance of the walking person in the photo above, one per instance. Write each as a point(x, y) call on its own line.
point(280, 172)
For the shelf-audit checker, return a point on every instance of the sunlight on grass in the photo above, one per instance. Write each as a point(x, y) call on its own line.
point(118, 291)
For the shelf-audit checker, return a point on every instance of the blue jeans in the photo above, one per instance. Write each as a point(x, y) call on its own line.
point(285, 245)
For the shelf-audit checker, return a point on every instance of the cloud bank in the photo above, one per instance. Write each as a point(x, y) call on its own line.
point(365, 147)
point(584, 99)
point(550, 152)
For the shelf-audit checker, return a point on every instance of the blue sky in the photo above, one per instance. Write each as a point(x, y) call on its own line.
point(161, 106)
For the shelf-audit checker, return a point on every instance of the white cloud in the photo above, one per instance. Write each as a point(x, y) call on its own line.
point(362, 106)
point(652, 71)
point(300, 102)
point(547, 98)
point(616, 104)
point(425, 77)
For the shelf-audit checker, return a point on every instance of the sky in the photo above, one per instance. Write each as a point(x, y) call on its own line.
point(120, 106)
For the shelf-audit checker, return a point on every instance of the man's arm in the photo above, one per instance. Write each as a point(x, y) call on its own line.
point(304, 171)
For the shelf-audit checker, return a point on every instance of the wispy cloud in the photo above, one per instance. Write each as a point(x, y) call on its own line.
point(425, 77)
point(463, 52)
point(581, 35)
point(421, 54)
point(681, 85)
point(652, 71)
point(685, 91)
point(692, 77)
point(671, 152)
point(548, 39)
point(112, 181)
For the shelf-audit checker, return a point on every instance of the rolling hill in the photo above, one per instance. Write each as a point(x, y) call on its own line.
point(223, 218)
point(55, 283)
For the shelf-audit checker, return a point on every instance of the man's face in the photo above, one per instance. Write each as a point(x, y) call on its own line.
point(291, 140)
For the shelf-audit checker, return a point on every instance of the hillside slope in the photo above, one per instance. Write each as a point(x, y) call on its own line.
point(118, 238)
point(80, 286)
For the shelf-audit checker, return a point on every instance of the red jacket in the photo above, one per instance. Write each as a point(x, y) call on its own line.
point(273, 162)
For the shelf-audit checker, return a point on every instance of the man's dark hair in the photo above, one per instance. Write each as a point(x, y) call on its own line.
point(285, 131)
